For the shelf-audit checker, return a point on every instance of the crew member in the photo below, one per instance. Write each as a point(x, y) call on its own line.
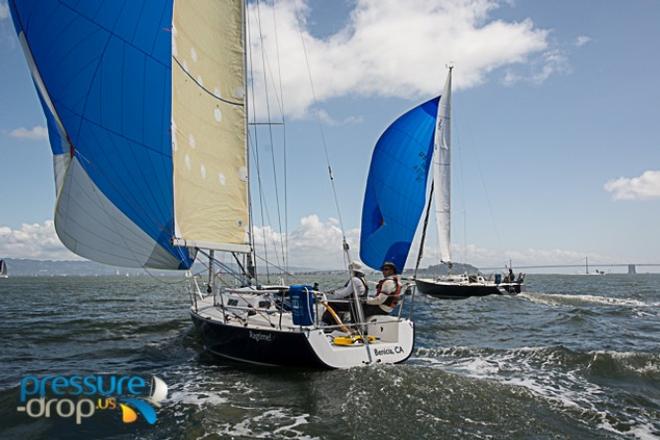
point(388, 292)
point(357, 282)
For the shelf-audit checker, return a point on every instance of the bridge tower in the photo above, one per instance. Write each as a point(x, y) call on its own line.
point(632, 270)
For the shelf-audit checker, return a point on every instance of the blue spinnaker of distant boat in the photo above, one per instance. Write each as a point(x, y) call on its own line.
point(395, 195)
point(118, 99)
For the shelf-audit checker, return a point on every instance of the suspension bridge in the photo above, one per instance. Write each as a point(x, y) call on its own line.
point(632, 267)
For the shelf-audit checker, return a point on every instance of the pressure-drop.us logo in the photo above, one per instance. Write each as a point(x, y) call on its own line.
point(80, 397)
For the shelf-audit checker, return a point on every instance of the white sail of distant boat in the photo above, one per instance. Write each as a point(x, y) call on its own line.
point(442, 172)
point(3, 269)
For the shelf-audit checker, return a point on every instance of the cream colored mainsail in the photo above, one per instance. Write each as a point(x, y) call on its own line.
point(209, 125)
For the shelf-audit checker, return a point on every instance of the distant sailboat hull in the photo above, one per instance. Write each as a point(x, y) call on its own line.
point(460, 290)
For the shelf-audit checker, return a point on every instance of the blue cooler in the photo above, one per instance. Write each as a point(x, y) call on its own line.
point(498, 278)
point(302, 304)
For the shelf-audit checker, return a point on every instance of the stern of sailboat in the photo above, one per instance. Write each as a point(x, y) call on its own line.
point(252, 325)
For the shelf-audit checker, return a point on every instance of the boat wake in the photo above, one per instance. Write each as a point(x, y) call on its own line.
point(566, 299)
point(232, 407)
point(566, 380)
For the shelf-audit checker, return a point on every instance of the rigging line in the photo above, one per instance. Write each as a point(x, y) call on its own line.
point(278, 98)
point(255, 148)
point(490, 205)
point(221, 265)
point(292, 275)
point(345, 247)
point(280, 101)
point(266, 221)
point(325, 150)
point(252, 271)
point(463, 198)
point(420, 253)
point(279, 76)
point(255, 153)
point(270, 129)
point(173, 283)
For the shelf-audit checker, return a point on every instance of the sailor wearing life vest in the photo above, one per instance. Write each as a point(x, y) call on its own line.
point(388, 292)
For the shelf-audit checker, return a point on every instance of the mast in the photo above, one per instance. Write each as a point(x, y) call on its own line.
point(442, 171)
point(252, 256)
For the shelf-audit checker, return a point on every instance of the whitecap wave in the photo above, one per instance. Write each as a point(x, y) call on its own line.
point(271, 424)
point(554, 375)
point(566, 299)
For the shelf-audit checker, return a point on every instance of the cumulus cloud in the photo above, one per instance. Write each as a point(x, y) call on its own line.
point(314, 243)
point(327, 119)
point(550, 63)
point(387, 48)
point(581, 40)
point(37, 132)
point(646, 186)
point(36, 240)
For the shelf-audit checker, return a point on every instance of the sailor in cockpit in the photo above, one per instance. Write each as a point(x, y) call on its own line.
point(388, 292)
point(344, 295)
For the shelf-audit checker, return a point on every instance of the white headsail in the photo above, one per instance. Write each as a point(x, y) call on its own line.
point(209, 125)
point(442, 171)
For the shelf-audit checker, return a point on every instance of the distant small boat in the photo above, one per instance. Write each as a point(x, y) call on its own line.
point(586, 269)
point(3, 269)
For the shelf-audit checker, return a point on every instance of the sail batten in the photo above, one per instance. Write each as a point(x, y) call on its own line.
point(442, 172)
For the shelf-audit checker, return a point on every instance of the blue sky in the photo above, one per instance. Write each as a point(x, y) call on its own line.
point(557, 100)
